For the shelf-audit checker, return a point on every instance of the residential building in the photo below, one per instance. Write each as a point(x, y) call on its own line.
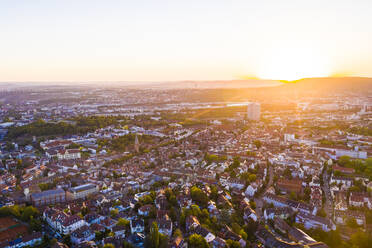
point(253, 111)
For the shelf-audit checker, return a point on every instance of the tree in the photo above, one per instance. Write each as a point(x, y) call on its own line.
point(232, 244)
point(257, 143)
point(172, 200)
point(99, 235)
point(252, 177)
point(214, 193)
point(28, 213)
point(253, 204)
point(195, 210)
point(126, 244)
point(287, 173)
point(331, 238)
point(123, 222)
point(199, 196)
point(292, 196)
point(147, 199)
point(307, 193)
point(67, 240)
point(183, 219)
point(177, 233)
point(361, 239)
point(114, 212)
point(344, 160)
point(163, 241)
point(351, 222)
point(235, 227)
point(321, 213)
point(84, 211)
point(108, 246)
point(44, 186)
point(197, 241)
point(9, 146)
point(236, 163)
point(154, 235)
point(35, 225)
point(172, 214)
point(243, 234)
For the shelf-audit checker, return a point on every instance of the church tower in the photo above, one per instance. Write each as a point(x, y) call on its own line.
point(136, 144)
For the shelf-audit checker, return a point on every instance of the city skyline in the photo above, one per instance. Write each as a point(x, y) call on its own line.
point(186, 124)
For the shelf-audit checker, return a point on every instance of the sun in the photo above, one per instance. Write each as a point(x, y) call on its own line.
point(292, 63)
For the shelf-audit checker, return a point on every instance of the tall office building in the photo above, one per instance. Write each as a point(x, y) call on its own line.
point(253, 111)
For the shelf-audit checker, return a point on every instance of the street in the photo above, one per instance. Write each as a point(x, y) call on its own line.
point(328, 206)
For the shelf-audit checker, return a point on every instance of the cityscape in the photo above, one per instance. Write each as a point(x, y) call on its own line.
point(186, 124)
point(88, 167)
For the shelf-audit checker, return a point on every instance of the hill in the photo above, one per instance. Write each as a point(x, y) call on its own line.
point(324, 85)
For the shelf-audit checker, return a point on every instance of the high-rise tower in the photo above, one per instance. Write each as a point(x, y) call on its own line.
point(253, 111)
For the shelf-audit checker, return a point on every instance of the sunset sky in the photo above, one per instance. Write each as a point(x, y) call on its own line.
point(137, 40)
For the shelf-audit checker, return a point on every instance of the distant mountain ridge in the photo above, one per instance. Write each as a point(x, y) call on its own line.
point(305, 84)
point(329, 84)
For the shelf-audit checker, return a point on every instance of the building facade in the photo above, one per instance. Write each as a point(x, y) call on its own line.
point(48, 197)
point(81, 191)
point(253, 111)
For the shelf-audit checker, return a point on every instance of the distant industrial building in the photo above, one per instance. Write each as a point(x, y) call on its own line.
point(81, 191)
point(253, 111)
point(48, 197)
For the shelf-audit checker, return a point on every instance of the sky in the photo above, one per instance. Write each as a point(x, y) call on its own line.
point(159, 40)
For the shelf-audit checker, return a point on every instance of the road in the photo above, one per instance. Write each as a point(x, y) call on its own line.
point(258, 200)
point(328, 206)
point(271, 177)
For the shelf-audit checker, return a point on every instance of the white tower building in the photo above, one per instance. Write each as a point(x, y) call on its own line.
point(253, 111)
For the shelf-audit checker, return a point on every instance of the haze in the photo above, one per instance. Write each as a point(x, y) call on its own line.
point(183, 40)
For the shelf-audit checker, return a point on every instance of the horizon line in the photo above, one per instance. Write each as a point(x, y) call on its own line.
point(181, 80)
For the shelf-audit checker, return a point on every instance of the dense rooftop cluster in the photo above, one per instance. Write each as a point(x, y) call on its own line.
point(124, 173)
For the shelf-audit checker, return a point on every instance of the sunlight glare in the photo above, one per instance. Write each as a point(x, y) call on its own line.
point(290, 63)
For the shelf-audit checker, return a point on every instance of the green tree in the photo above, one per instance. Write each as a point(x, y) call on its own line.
point(344, 160)
point(182, 219)
point(66, 239)
point(287, 173)
point(126, 244)
point(199, 196)
point(321, 213)
point(163, 241)
point(99, 235)
point(253, 204)
point(352, 223)
point(243, 234)
point(147, 199)
point(232, 244)
point(84, 211)
point(123, 222)
point(197, 241)
point(43, 186)
point(361, 239)
point(114, 212)
point(154, 235)
point(35, 225)
point(252, 177)
point(177, 233)
point(292, 196)
point(257, 143)
point(28, 213)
